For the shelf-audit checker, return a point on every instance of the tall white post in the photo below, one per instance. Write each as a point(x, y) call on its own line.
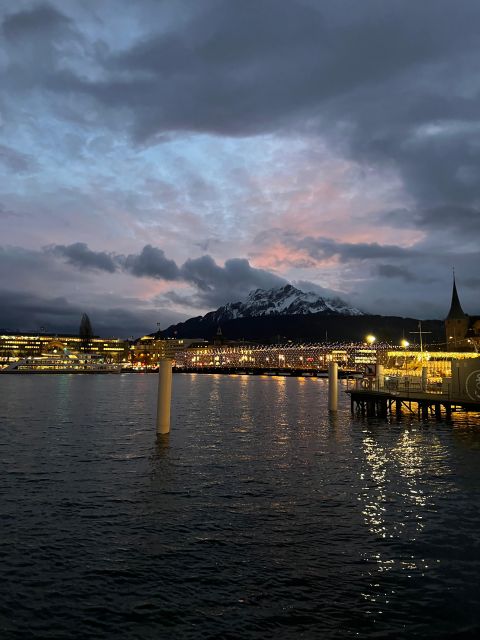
point(164, 396)
point(332, 386)
point(424, 378)
point(380, 376)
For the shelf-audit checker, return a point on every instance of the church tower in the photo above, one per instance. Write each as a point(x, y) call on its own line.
point(456, 323)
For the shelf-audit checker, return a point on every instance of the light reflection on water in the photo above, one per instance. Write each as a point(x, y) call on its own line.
point(258, 516)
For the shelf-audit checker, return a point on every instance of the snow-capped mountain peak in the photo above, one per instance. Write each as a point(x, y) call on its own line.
point(286, 300)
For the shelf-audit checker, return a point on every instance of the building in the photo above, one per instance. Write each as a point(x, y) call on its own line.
point(16, 346)
point(148, 350)
point(462, 331)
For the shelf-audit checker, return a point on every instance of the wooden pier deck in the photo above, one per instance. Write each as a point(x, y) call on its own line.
point(368, 402)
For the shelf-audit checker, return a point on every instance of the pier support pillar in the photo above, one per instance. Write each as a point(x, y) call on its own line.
point(438, 411)
point(398, 407)
point(424, 407)
point(380, 377)
point(424, 378)
point(164, 396)
point(332, 386)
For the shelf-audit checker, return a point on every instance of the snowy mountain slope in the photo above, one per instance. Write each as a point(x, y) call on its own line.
point(286, 300)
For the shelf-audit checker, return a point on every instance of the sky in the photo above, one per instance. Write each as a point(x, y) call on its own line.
point(160, 158)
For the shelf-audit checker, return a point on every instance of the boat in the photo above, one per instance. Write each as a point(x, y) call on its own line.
point(62, 363)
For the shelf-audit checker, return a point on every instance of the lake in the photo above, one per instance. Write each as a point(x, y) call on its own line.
point(260, 516)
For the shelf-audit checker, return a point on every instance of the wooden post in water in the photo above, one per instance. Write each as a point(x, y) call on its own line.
point(332, 386)
point(164, 396)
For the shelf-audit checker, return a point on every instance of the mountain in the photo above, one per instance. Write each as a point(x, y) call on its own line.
point(286, 313)
point(286, 300)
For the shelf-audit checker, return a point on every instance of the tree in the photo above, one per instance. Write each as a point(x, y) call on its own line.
point(85, 333)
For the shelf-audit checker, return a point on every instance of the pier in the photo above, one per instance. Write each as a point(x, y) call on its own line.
point(382, 403)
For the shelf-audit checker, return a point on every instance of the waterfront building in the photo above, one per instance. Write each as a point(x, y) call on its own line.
point(148, 350)
point(16, 346)
point(408, 364)
point(462, 331)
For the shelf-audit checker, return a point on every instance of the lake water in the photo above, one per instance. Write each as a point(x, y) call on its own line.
point(259, 517)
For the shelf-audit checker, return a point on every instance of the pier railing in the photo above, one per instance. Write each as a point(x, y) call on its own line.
point(410, 386)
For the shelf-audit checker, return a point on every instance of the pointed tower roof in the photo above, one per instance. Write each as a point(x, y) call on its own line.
point(456, 312)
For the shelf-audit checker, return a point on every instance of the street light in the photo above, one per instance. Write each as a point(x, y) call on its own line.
point(370, 339)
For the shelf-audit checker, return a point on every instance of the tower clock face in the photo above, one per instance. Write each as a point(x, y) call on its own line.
point(472, 385)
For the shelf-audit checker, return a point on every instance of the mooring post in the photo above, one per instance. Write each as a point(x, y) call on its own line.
point(164, 396)
point(332, 386)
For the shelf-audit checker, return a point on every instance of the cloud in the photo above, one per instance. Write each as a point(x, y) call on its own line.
point(393, 271)
point(218, 285)
point(79, 255)
point(187, 125)
point(30, 22)
point(325, 248)
point(23, 311)
point(152, 263)
point(322, 249)
point(15, 160)
point(215, 284)
point(306, 285)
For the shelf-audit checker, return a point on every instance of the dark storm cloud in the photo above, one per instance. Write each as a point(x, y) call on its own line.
point(324, 248)
point(216, 284)
point(152, 263)
point(233, 281)
point(29, 23)
point(454, 218)
point(79, 255)
point(38, 40)
point(463, 221)
point(23, 311)
point(386, 82)
point(394, 271)
point(252, 66)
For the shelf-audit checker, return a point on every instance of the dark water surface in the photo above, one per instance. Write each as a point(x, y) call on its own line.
point(261, 517)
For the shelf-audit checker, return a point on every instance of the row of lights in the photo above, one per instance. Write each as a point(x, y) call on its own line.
point(371, 339)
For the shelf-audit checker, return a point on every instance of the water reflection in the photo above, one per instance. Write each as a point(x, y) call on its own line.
point(162, 445)
point(406, 471)
point(374, 484)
